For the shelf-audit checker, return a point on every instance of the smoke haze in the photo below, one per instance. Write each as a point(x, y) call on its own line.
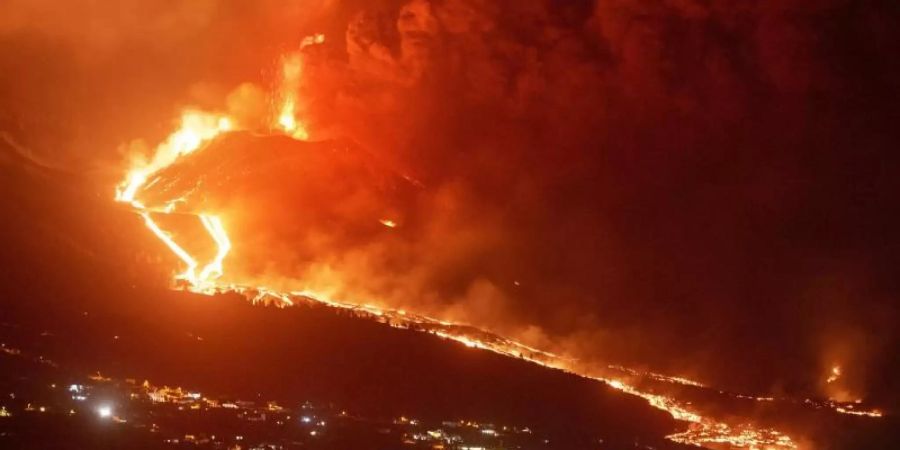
point(702, 188)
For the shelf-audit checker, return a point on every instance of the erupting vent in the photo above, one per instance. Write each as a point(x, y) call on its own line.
point(198, 129)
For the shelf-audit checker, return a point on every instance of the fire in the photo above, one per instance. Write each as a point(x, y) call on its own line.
point(183, 255)
point(215, 229)
point(291, 76)
point(198, 128)
point(848, 409)
point(292, 70)
point(834, 375)
point(288, 123)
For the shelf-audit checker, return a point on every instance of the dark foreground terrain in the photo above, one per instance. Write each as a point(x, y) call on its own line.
point(84, 303)
point(83, 292)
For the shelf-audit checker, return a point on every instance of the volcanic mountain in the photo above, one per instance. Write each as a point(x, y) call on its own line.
point(79, 288)
point(83, 286)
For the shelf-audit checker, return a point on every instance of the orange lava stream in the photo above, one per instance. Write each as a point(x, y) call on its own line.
point(198, 128)
point(190, 138)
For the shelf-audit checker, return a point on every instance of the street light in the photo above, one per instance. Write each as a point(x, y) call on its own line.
point(104, 412)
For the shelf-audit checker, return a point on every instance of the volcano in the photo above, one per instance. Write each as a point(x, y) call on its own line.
point(67, 302)
point(449, 224)
point(66, 299)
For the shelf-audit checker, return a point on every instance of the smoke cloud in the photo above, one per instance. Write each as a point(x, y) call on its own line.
point(700, 187)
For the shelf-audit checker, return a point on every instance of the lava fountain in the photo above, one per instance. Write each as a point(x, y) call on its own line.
point(199, 131)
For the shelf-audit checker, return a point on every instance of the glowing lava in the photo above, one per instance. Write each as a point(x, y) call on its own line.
point(199, 128)
point(196, 129)
point(834, 375)
point(291, 76)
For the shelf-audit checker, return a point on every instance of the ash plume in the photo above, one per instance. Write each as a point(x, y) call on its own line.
point(669, 183)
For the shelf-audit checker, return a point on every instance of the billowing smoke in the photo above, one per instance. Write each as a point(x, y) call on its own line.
point(699, 187)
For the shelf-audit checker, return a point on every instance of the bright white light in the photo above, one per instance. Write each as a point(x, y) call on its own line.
point(104, 412)
point(306, 419)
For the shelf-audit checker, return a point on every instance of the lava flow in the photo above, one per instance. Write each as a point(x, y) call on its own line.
point(198, 129)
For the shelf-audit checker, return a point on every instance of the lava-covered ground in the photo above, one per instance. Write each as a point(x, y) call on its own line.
point(83, 287)
point(79, 288)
